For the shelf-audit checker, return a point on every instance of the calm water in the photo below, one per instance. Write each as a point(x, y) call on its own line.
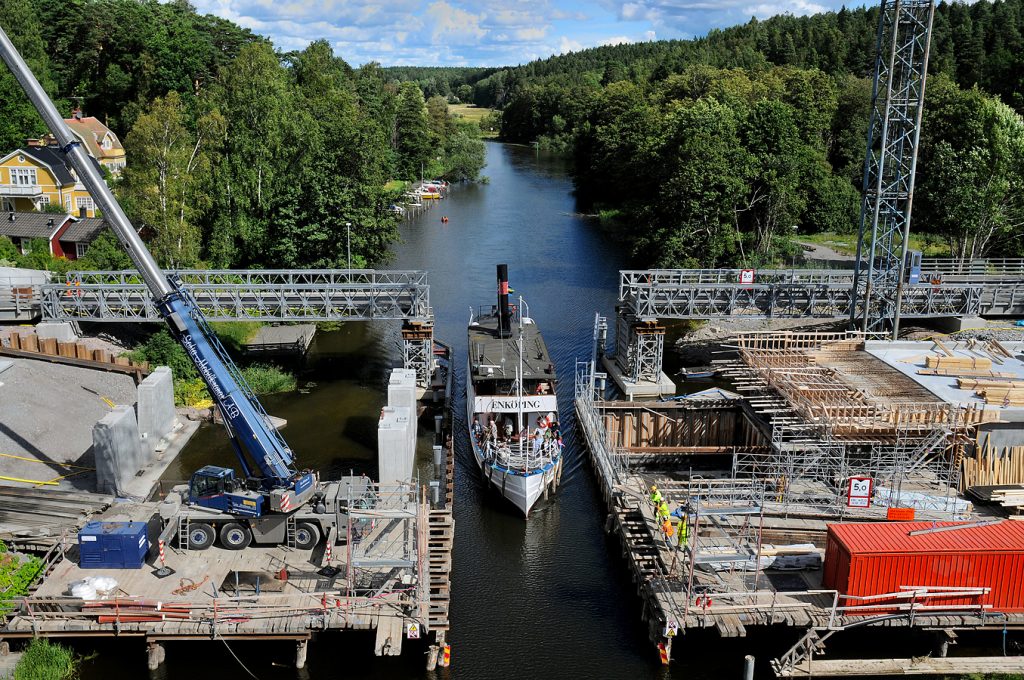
point(548, 598)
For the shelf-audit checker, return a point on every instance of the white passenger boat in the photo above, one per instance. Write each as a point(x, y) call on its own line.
point(511, 406)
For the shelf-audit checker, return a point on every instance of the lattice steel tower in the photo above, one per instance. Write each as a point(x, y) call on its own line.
point(897, 101)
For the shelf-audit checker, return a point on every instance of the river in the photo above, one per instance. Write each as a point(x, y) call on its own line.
point(547, 598)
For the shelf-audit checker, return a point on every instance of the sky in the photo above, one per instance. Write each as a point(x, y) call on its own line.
point(488, 32)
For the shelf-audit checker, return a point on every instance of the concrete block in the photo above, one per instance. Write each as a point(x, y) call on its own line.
point(402, 388)
point(402, 394)
point(955, 324)
point(157, 417)
point(61, 331)
point(117, 450)
point(395, 456)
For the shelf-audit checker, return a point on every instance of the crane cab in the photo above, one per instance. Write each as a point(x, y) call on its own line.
point(216, 488)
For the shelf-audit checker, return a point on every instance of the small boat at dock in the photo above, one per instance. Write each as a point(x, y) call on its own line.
point(698, 373)
point(511, 406)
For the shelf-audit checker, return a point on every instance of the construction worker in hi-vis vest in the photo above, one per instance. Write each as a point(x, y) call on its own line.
point(683, 531)
point(655, 496)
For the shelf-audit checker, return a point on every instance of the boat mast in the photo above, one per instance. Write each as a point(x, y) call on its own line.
point(519, 401)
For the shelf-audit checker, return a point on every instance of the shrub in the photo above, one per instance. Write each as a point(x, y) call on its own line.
point(45, 660)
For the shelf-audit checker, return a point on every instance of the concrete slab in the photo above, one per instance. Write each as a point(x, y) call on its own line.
point(47, 412)
point(5, 364)
point(645, 389)
point(118, 450)
point(909, 357)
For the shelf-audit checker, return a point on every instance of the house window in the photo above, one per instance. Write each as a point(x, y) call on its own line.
point(84, 202)
point(23, 177)
point(42, 202)
point(106, 142)
point(26, 246)
point(80, 249)
point(8, 206)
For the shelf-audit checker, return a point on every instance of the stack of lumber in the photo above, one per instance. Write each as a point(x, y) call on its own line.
point(1007, 495)
point(958, 363)
point(1002, 396)
point(992, 466)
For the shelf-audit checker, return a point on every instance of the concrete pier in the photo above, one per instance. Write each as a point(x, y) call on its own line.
point(156, 414)
point(395, 455)
point(118, 450)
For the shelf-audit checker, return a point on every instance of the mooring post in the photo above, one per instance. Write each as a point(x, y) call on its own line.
point(748, 667)
point(301, 647)
point(155, 655)
point(432, 657)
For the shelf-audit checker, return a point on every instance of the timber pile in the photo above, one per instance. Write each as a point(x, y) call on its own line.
point(958, 363)
point(1002, 396)
point(31, 346)
point(1008, 495)
point(992, 466)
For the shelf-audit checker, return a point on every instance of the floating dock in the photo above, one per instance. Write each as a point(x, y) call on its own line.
point(759, 475)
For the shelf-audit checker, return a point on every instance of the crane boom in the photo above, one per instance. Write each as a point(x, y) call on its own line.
point(258, 445)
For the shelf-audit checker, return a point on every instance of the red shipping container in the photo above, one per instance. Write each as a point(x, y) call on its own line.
point(881, 557)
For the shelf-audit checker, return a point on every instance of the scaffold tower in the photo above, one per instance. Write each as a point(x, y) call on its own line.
point(897, 102)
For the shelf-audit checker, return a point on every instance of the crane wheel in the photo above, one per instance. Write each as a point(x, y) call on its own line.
point(200, 536)
point(235, 536)
point(307, 535)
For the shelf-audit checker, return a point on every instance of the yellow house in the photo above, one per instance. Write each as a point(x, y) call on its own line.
point(34, 177)
point(99, 141)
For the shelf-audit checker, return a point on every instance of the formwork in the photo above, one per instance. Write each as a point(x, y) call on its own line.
point(759, 475)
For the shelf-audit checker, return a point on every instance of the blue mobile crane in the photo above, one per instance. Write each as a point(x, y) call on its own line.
point(271, 489)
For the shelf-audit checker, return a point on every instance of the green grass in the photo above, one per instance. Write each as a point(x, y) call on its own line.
point(846, 244)
point(45, 660)
point(234, 334)
point(396, 185)
point(472, 113)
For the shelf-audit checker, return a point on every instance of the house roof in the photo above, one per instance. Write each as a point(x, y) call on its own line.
point(92, 131)
point(51, 157)
point(84, 229)
point(31, 224)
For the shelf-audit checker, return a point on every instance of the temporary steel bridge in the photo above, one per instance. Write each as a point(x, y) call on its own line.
point(247, 295)
point(273, 295)
point(946, 288)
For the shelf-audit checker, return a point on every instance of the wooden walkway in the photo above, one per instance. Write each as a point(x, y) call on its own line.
point(952, 665)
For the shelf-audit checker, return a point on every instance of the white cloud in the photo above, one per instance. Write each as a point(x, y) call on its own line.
point(451, 25)
point(569, 45)
point(487, 32)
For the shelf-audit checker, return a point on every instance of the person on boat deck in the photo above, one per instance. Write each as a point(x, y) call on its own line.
point(478, 431)
point(540, 433)
point(508, 430)
point(492, 428)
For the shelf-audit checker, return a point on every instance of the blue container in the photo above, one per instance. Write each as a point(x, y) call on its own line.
point(113, 545)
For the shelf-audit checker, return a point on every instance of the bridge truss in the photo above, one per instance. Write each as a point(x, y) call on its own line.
point(295, 295)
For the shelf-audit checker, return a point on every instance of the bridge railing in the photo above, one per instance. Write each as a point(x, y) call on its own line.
point(952, 266)
point(637, 278)
point(260, 277)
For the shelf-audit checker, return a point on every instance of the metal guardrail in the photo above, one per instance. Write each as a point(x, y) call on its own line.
point(247, 295)
point(1001, 266)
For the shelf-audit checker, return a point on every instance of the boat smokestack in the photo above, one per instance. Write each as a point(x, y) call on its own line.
point(504, 313)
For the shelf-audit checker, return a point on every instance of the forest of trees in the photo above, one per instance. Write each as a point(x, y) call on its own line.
point(238, 155)
point(709, 152)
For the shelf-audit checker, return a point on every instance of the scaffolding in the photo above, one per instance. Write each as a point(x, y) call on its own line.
point(639, 347)
point(418, 350)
